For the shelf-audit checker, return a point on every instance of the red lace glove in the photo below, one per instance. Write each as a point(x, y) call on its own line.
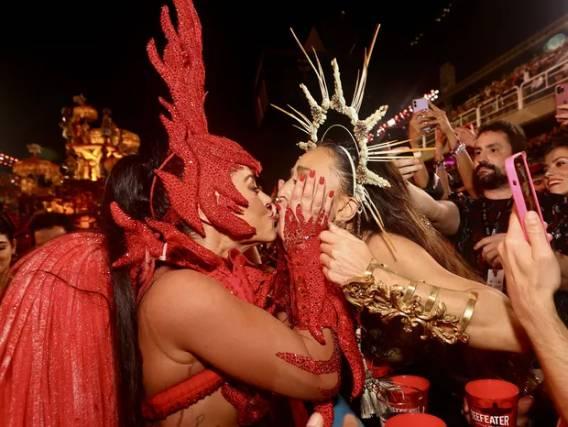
point(317, 304)
point(302, 246)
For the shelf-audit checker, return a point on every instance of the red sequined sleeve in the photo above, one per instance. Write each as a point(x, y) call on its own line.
point(316, 305)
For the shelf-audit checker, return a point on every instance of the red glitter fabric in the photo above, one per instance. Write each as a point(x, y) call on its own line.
point(204, 185)
point(182, 395)
point(250, 284)
point(208, 160)
point(56, 353)
point(317, 304)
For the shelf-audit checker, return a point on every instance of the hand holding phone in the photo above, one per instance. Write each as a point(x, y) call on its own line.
point(420, 105)
point(522, 187)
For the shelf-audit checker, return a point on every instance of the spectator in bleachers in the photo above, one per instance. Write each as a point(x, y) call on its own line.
point(556, 164)
point(518, 76)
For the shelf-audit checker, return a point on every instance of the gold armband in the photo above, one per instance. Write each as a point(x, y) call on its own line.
point(400, 302)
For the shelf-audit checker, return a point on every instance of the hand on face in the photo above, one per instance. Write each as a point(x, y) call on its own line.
point(489, 249)
point(343, 255)
point(303, 195)
point(531, 268)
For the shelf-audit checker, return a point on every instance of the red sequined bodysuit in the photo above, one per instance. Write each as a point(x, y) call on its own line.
point(312, 304)
point(249, 284)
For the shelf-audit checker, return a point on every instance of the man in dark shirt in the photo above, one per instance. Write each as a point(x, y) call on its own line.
point(478, 226)
point(480, 218)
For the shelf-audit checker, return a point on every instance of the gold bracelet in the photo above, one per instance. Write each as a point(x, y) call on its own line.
point(432, 298)
point(468, 311)
point(401, 302)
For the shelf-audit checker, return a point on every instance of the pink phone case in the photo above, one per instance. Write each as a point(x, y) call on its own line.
point(515, 185)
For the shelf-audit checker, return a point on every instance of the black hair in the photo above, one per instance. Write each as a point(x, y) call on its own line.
point(515, 134)
point(559, 139)
point(43, 220)
point(7, 226)
point(129, 186)
point(398, 214)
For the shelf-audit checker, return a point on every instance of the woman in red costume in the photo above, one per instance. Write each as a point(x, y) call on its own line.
point(166, 296)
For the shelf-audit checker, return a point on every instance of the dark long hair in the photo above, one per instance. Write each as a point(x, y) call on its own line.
point(7, 227)
point(398, 214)
point(129, 186)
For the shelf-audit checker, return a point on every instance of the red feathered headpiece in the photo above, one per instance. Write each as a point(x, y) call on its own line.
point(208, 160)
point(205, 183)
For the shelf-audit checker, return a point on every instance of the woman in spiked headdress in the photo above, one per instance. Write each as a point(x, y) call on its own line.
point(389, 261)
point(377, 222)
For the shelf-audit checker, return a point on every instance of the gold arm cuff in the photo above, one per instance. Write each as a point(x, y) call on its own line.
point(432, 298)
point(468, 311)
point(400, 302)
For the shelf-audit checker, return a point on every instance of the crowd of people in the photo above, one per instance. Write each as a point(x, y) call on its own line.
point(203, 301)
point(521, 74)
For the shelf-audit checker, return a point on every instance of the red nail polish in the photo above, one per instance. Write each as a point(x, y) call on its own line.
point(312, 173)
point(331, 193)
point(302, 178)
point(322, 180)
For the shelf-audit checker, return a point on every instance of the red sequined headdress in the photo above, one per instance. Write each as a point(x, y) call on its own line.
point(204, 188)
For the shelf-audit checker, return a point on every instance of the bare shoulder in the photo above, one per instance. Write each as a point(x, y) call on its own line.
point(392, 247)
point(408, 258)
point(182, 291)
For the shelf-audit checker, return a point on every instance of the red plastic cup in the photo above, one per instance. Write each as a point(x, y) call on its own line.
point(415, 420)
point(411, 383)
point(408, 395)
point(492, 403)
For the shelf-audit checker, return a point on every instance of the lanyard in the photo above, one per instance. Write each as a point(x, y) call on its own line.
point(490, 231)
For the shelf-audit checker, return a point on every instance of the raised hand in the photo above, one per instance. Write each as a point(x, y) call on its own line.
point(343, 255)
point(466, 136)
point(409, 166)
point(440, 119)
point(531, 268)
point(489, 249)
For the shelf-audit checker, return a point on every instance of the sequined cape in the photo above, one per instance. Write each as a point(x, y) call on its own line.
point(57, 364)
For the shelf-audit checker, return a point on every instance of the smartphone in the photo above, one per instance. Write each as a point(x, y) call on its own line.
point(561, 95)
point(418, 105)
point(520, 180)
